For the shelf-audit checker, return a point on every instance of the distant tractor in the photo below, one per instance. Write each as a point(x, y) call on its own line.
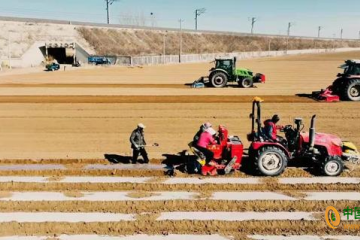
point(53, 66)
point(225, 71)
point(346, 87)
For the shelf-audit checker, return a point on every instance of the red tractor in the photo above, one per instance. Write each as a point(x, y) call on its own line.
point(270, 158)
point(345, 87)
point(227, 154)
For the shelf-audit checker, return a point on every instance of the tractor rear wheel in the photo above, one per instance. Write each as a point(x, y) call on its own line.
point(351, 90)
point(219, 80)
point(270, 161)
point(246, 83)
point(332, 166)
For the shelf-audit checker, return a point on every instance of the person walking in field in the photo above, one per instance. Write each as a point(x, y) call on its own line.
point(138, 144)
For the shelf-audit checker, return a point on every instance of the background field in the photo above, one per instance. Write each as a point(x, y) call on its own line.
point(115, 99)
point(56, 128)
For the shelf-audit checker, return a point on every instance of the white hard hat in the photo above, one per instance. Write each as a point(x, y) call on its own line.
point(211, 131)
point(140, 125)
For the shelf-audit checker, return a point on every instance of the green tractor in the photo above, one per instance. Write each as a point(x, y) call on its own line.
point(225, 71)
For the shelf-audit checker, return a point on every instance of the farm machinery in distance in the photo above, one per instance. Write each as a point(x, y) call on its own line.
point(225, 71)
point(270, 158)
point(346, 87)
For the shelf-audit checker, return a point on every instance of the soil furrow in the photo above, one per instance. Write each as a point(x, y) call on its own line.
point(176, 227)
point(129, 207)
point(151, 99)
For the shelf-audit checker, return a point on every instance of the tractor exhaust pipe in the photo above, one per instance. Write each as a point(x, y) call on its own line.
point(312, 132)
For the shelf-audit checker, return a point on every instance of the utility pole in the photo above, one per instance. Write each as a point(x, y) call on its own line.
point(290, 24)
point(108, 4)
point(152, 19)
point(180, 42)
point(198, 12)
point(9, 51)
point(164, 50)
point(319, 31)
point(270, 46)
point(253, 21)
point(319, 34)
point(341, 33)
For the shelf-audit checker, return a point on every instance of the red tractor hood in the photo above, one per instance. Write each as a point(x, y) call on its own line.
point(323, 138)
point(332, 143)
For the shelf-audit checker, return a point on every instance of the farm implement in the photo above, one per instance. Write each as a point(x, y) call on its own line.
point(346, 87)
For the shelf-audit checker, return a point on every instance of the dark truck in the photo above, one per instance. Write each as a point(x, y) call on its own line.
point(99, 60)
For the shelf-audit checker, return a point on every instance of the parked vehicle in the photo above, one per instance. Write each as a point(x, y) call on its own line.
point(99, 60)
point(53, 66)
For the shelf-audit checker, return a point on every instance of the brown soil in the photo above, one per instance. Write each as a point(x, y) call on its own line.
point(157, 180)
point(176, 227)
point(141, 194)
point(295, 194)
point(147, 216)
point(79, 121)
point(54, 179)
point(75, 166)
point(174, 205)
point(152, 99)
point(269, 180)
point(60, 85)
point(5, 194)
point(73, 194)
point(70, 171)
point(203, 195)
point(72, 131)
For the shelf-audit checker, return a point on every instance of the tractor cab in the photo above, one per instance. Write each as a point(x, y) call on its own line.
point(228, 65)
point(351, 67)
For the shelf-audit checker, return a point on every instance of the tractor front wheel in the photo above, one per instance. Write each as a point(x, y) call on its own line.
point(246, 83)
point(219, 80)
point(332, 166)
point(351, 91)
point(270, 161)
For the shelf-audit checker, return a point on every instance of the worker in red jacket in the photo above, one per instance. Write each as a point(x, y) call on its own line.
point(270, 129)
